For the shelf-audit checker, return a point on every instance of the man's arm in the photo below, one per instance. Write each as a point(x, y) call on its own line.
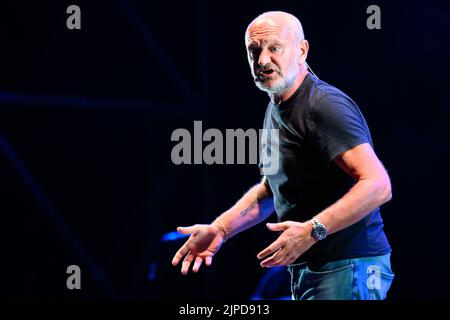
point(206, 239)
point(372, 189)
point(255, 206)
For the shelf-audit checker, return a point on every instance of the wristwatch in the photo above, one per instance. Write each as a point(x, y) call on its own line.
point(319, 231)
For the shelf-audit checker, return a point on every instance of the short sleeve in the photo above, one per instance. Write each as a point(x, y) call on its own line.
point(336, 125)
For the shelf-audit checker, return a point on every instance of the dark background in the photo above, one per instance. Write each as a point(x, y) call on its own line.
point(86, 118)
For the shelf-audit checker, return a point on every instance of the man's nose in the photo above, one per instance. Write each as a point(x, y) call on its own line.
point(264, 58)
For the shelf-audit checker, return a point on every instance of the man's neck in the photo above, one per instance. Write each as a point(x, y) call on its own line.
point(277, 99)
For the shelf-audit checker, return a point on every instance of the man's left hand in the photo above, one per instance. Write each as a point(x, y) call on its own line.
point(294, 240)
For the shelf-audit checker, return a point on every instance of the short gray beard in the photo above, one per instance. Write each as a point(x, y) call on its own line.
point(280, 87)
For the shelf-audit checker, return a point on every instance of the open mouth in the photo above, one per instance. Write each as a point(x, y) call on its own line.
point(267, 72)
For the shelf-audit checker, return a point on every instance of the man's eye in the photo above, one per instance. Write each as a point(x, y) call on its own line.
point(275, 49)
point(253, 54)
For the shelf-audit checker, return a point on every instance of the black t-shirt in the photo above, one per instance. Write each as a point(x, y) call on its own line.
point(316, 124)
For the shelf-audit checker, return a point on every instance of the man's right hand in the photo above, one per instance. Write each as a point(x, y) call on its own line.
point(202, 245)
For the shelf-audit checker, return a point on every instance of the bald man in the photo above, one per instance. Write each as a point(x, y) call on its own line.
point(329, 186)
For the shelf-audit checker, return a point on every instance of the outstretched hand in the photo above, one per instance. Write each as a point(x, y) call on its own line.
point(294, 240)
point(204, 242)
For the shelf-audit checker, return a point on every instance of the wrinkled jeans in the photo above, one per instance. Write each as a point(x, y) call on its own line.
point(367, 278)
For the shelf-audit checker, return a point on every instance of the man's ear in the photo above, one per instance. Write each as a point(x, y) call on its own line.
point(304, 48)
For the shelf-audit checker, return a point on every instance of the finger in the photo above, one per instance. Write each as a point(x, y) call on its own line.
point(197, 264)
point(272, 260)
point(274, 247)
point(187, 230)
point(277, 226)
point(208, 261)
point(180, 254)
point(274, 264)
point(187, 263)
point(284, 259)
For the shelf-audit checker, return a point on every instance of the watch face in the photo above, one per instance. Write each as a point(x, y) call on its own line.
point(319, 231)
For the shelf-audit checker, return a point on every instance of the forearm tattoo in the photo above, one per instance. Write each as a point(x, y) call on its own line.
point(247, 210)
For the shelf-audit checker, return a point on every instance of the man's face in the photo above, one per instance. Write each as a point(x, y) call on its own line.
point(273, 56)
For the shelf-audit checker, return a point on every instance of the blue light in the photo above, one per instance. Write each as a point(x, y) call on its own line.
point(171, 236)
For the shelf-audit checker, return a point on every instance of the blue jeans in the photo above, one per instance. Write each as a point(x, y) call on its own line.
point(367, 278)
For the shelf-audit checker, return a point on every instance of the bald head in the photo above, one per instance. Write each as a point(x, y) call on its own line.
point(276, 52)
point(278, 20)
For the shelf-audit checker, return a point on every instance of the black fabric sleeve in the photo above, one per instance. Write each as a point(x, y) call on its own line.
point(336, 125)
